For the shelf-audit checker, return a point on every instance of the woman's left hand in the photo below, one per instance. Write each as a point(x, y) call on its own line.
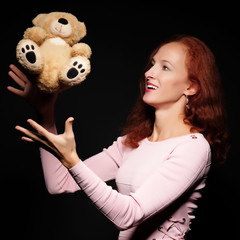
point(62, 145)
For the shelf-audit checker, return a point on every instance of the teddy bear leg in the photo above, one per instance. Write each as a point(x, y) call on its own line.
point(75, 71)
point(28, 54)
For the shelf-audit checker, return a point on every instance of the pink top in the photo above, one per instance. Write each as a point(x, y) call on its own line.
point(158, 184)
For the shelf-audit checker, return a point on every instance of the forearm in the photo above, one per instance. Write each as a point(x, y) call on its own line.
point(121, 209)
point(59, 180)
point(47, 116)
point(57, 177)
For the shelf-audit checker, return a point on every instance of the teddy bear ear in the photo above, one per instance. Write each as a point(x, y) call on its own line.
point(36, 21)
point(82, 29)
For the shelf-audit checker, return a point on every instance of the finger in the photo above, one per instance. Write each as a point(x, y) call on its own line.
point(28, 139)
point(17, 79)
point(19, 73)
point(38, 128)
point(34, 137)
point(15, 91)
point(26, 132)
point(68, 126)
point(43, 136)
point(31, 135)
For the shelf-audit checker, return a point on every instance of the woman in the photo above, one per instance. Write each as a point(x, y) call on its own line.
point(161, 162)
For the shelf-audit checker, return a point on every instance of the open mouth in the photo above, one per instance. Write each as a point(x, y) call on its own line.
point(151, 86)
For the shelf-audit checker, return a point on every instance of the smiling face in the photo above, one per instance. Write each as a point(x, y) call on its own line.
point(167, 80)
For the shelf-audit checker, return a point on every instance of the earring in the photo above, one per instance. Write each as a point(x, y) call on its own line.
point(187, 101)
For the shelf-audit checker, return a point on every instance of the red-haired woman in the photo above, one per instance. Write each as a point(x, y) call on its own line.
point(161, 162)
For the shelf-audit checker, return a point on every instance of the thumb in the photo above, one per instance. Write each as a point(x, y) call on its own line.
point(68, 126)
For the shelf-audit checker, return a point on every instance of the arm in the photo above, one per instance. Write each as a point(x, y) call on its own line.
point(44, 104)
point(56, 176)
point(59, 180)
point(186, 165)
point(36, 34)
point(81, 49)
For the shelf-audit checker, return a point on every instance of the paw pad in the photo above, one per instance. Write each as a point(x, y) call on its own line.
point(75, 70)
point(29, 56)
point(28, 50)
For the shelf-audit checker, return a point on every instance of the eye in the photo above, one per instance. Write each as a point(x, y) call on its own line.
point(165, 68)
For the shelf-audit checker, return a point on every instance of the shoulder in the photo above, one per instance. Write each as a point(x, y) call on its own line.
point(196, 141)
point(117, 148)
point(193, 148)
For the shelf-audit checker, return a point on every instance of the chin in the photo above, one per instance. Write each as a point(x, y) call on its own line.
point(149, 101)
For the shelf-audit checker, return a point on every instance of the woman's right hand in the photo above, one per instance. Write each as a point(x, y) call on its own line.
point(41, 101)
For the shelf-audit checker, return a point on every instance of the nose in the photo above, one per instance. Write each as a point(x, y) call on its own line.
point(149, 75)
point(152, 72)
point(63, 21)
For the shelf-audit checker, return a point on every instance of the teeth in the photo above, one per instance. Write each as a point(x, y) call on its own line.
point(151, 87)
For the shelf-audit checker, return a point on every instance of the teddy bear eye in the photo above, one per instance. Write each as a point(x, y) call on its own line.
point(63, 21)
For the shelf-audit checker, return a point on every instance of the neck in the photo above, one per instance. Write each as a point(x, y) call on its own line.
point(169, 123)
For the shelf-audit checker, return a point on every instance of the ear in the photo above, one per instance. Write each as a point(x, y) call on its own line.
point(82, 29)
point(192, 89)
point(36, 21)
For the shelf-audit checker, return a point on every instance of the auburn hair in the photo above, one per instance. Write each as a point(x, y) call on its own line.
point(206, 112)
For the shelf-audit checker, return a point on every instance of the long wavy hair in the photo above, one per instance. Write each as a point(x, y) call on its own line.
point(206, 112)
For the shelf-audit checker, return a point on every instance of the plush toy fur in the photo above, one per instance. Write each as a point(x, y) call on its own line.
point(50, 50)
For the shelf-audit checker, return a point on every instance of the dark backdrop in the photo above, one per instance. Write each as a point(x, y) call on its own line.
point(121, 35)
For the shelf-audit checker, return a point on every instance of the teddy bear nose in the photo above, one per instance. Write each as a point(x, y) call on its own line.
point(63, 21)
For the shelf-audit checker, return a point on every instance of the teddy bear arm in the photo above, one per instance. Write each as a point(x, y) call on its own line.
point(36, 34)
point(81, 49)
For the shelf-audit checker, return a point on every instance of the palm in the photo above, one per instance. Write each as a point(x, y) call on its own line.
point(38, 99)
point(63, 145)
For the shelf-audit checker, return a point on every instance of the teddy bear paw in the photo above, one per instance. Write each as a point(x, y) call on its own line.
point(29, 55)
point(75, 71)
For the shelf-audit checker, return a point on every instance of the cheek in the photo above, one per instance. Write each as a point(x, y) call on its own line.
point(172, 85)
point(170, 90)
point(176, 83)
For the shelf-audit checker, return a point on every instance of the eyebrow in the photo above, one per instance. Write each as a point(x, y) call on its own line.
point(168, 62)
point(153, 61)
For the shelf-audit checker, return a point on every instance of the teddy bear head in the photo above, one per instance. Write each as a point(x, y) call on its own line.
point(61, 24)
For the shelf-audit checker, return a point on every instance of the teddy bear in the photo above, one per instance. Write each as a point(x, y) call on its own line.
point(51, 52)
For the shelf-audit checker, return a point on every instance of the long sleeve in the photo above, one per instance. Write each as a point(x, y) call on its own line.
point(59, 180)
point(186, 164)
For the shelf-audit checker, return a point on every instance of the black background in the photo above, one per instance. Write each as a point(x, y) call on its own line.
point(121, 35)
